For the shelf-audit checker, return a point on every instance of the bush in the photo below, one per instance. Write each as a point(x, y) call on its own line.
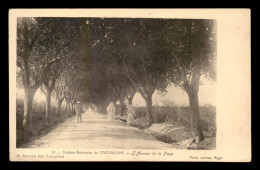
point(118, 109)
point(141, 123)
point(171, 114)
point(140, 112)
point(40, 125)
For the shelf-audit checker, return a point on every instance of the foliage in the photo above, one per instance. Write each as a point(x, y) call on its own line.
point(39, 124)
point(103, 60)
point(164, 114)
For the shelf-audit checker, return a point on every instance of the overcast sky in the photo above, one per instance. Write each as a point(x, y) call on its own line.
point(207, 95)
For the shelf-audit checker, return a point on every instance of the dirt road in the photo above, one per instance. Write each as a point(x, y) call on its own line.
point(96, 132)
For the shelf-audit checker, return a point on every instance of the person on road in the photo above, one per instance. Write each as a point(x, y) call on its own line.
point(79, 111)
point(130, 115)
point(111, 111)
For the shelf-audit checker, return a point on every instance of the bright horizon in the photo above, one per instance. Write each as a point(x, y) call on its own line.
point(207, 95)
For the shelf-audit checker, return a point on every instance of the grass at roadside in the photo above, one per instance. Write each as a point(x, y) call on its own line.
point(172, 125)
point(179, 117)
point(40, 126)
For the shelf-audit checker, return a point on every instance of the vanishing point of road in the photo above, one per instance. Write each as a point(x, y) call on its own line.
point(97, 132)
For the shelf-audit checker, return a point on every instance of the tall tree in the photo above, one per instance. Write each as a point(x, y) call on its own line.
point(132, 46)
point(30, 35)
point(144, 59)
point(69, 73)
point(49, 85)
point(192, 44)
point(39, 44)
point(118, 86)
point(131, 91)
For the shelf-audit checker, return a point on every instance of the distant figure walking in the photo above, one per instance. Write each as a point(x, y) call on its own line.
point(130, 114)
point(79, 111)
point(111, 111)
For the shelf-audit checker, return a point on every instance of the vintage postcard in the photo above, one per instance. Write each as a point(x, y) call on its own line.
point(130, 85)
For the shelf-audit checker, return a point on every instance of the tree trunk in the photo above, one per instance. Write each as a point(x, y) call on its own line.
point(69, 109)
point(121, 107)
point(59, 108)
point(72, 108)
point(98, 109)
point(28, 115)
point(149, 105)
point(102, 109)
point(130, 100)
point(66, 109)
point(48, 106)
point(114, 102)
point(196, 131)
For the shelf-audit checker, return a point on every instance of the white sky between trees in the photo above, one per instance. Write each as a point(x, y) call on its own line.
point(207, 95)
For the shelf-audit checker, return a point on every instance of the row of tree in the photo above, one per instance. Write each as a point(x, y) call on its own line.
point(45, 60)
point(107, 60)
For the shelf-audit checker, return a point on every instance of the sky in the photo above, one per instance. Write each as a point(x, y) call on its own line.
point(207, 95)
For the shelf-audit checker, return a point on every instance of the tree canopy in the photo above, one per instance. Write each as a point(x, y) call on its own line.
point(103, 60)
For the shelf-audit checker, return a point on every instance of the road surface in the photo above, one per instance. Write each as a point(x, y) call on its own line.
point(97, 132)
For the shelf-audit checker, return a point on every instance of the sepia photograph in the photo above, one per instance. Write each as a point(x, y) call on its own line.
point(115, 86)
